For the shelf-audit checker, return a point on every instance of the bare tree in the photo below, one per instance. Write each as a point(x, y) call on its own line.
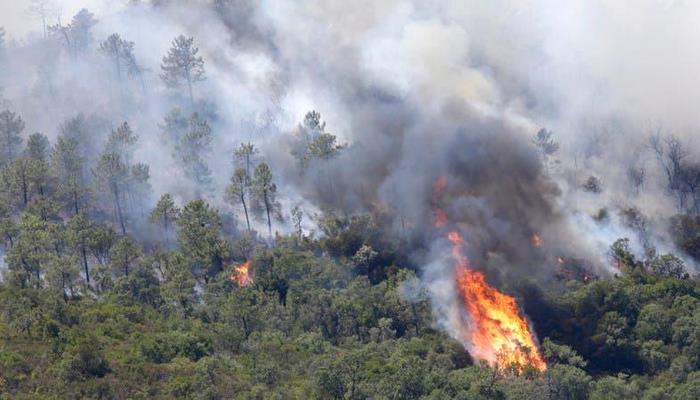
point(637, 176)
point(76, 36)
point(42, 10)
point(690, 185)
point(670, 153)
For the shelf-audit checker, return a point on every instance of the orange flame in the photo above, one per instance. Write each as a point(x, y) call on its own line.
point(242, 275)
point(499, 334)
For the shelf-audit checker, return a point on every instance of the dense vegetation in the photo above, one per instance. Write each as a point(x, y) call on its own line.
point(311, 326)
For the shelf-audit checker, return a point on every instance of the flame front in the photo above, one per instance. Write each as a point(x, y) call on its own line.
point(241, 274)
point(498, 332)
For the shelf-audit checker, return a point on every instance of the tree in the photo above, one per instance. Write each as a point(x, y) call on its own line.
point(670, 153)
point(200, 238)
point(622, 254)
point(8, 228)
point(690, 184)
point(139, 186)
point(324, 147)
point(191, 150)
point(62, 275)
point(668, 265)
point(545, 143)
point(175, 125)
point(182, 65)
point(237, 191)
point(265, 191)
point(101, 241)
point(120, 53)
point(68, 165)
point(37, 152)
point(31, 250)
point(245, 154)
point(77, 35)
point(122, 141)
point(111, 174)
point(80, 28)
point(45, 208)
point(123, 255)
point(165, 214)
point(38, 147)
point(592, 185)
point(16, 181)
point(80, 231)
point(313, 142)
point(41, 9)
point(11, 126)
point(297, 217)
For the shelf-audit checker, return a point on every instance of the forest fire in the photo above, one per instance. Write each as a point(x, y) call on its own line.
point(497, 332)
point(242, 275)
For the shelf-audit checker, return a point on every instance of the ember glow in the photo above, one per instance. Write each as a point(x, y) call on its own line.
point(536, 240)
point(242, 274)
point(498, 332)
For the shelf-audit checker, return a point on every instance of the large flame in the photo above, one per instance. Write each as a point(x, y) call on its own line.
point(242, 274)
point(498, 332)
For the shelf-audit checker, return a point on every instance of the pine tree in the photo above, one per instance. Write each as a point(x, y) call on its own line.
point(11, 127)
point(165, 214)
point(237, 191)
point(200, 238)
point(79, 232)
point(182, 65)
point(265, 192)
point(112, 174)
point(120, 53)
point(192, 149)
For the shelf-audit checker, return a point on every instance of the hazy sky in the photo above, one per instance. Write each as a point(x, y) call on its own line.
point(16, 20)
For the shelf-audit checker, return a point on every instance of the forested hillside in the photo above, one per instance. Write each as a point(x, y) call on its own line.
point(294, 199)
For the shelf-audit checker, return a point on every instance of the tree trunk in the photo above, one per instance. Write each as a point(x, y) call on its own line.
point(245, 210)
point(85, 264)
point(76, 207)
point(267, 209)
point(118, 205)
point(189, 87)
point(25, 191)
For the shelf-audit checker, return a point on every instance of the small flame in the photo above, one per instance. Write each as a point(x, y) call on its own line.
point(242, 275)
point(536, 240)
